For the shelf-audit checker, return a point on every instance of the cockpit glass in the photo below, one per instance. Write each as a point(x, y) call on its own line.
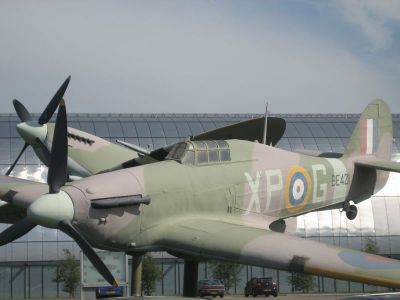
point(188, 157)
point(211, 144)
point(213, 155)
point(225, 155)
point(200, 152)
point(222, 144)
point(202, 156)
point(200, 145)
point(177, 151)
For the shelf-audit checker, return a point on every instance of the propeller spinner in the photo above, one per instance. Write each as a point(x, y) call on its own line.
point(35, 132)
point(56, 209)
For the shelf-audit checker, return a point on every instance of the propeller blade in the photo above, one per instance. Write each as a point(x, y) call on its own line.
point(54, 102)
point(70, 230)
point(45, 151)
point(17, 159)
point(16, 231)
point(57, 175)
point(22, 112)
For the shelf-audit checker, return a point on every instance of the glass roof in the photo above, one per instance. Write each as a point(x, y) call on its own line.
point(324, 132)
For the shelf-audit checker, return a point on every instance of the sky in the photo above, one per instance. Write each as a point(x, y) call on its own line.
point(201, 56)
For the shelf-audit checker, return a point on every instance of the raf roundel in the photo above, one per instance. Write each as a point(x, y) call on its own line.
point(297, 189)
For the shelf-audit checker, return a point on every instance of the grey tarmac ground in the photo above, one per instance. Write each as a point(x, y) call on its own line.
point(282, 296)
point(392, 296)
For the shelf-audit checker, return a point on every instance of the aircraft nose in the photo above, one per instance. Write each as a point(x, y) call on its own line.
point(50, 209)
point(30, 131)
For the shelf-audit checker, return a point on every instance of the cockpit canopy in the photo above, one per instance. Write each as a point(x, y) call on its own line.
point(200, 152)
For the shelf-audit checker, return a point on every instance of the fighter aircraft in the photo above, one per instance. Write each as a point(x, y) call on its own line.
point(89, 154)
point(214, 199)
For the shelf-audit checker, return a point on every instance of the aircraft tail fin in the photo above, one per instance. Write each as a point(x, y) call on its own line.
point(373, 134)
point(370, 149)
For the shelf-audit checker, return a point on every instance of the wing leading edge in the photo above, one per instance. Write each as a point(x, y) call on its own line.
point(10, 214)
point(18, 191)
point(211, 238)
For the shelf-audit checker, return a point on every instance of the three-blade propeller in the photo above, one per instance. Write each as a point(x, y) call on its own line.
point(56, 209)
point(46, 115)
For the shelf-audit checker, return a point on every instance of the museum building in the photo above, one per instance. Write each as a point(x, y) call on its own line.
point(27, 266)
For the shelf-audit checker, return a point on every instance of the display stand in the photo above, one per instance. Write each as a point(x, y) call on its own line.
point(116, 262)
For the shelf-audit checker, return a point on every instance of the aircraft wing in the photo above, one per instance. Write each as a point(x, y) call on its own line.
point(19, 192)
point(9, 188)
point(222, 239)
point(89, 154)
point(10, 214)
point(249, 130)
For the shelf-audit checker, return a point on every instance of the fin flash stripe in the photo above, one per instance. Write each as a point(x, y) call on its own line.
point(369, 136)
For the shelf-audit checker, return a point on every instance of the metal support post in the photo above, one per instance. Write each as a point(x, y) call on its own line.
point(190, 278)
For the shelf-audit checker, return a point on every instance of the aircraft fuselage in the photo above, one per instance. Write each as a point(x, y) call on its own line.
point(259, 182)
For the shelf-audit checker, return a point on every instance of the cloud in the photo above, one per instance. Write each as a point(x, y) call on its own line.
point(172, 56)
point(373, 18)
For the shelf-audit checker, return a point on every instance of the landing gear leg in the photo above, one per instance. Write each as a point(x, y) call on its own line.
point(350, 209)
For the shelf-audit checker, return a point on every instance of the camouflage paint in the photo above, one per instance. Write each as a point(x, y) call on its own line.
point(89, 158)
point(222, 210)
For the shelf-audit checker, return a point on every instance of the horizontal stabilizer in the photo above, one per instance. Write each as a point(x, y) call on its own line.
point(380, 164)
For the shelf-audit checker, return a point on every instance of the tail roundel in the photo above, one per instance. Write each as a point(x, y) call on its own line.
point(373, 134)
